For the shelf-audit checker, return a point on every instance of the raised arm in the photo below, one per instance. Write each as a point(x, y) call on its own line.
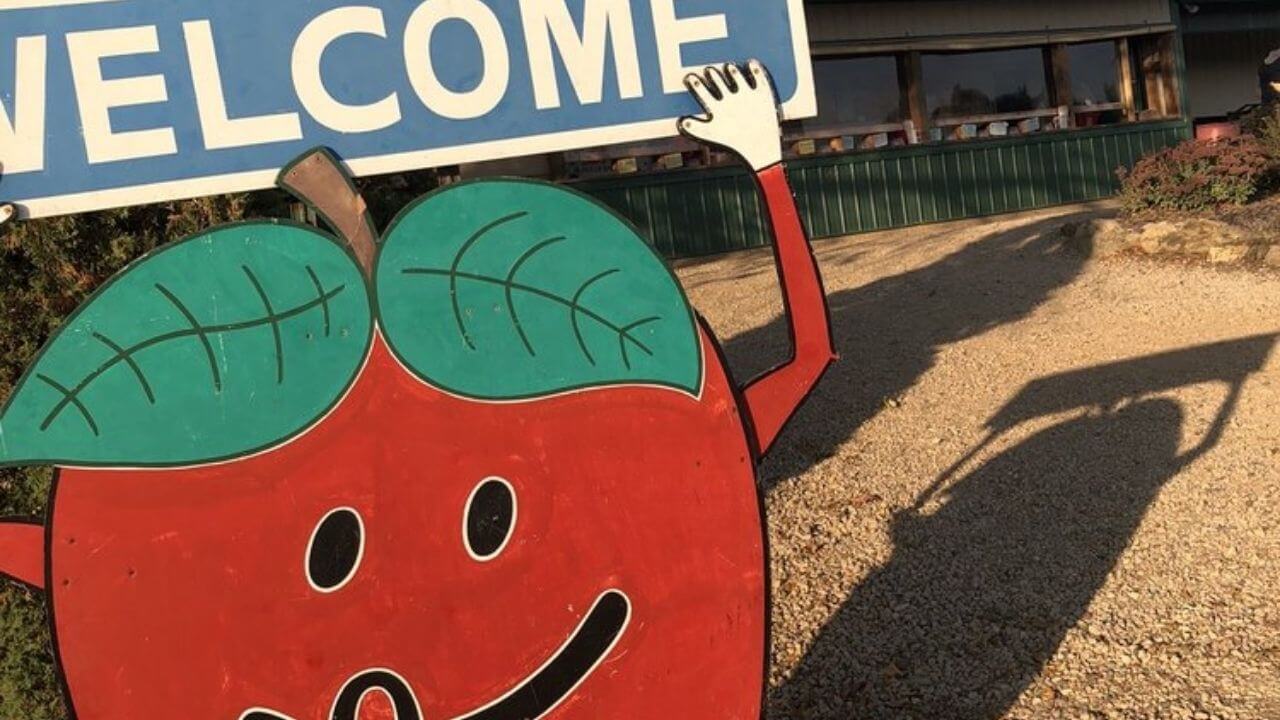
point(742, 117)
point(22, 552)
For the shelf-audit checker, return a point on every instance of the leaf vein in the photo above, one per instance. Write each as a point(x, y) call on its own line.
point(511, 278)
point(575, 308)
point(623, 333)
point(622, 345)
point(457, 262)
point(122, 354)
point(71, 398)
point(324, 301)
point(200, 333)
point(275, 323)
point(73, 395)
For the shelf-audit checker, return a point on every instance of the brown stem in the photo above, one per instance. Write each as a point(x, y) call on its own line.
point(319, 181)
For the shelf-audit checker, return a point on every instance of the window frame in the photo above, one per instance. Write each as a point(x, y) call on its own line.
point(1146, 66)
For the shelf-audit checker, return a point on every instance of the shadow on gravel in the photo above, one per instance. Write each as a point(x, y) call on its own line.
point(888, 332)
point(989, 571)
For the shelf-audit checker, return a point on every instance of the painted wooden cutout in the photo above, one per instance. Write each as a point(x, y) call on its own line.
point(492, 467)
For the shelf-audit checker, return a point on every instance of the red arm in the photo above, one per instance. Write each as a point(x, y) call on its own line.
point(740, 114)
point(774, 397)
point(22, 552)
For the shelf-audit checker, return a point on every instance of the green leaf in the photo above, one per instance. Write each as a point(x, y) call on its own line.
point(224, 344)
point(511, 289)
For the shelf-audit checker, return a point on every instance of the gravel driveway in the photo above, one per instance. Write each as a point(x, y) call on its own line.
point(1036, 486)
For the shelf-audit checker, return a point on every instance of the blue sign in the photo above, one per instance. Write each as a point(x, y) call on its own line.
point(106, 103)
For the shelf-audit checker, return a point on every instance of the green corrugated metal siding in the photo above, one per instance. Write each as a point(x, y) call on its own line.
point(686, 214)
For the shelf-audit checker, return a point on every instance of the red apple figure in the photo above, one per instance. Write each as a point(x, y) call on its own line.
point(488, 467)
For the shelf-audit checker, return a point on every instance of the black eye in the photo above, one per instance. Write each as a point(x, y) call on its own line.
point(335, 550)
point(490, 517)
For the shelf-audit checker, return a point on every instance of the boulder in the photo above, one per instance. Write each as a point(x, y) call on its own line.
point(1097, 237)
point(1194, 237)
point(1203, 239)
point(1228, 254)
point(1272, 258)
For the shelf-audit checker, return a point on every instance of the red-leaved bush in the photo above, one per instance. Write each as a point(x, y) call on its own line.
point(1197, 175)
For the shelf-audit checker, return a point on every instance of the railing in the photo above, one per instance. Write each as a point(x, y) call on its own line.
point(709, 211)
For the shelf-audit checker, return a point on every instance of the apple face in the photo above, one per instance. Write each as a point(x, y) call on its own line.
point(486, 560)
point(507, 478)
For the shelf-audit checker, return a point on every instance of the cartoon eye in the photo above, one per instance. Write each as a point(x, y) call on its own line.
point(335, 550)
point(490, 518)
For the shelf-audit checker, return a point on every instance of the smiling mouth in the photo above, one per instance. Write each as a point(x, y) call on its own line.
point(565, 671)
point(533, 698)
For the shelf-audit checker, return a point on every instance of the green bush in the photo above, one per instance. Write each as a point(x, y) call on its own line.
point(47, 268)
point(1196, 176)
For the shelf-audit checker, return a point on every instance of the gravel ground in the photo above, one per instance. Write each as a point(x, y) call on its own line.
point(1036, 486)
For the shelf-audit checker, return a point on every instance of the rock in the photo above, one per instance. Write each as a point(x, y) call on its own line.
point(1206, 239)
point(1194, 237)
point(1156, 237)
point(1272, 258)
point(1098, 238)
point(1227, 254)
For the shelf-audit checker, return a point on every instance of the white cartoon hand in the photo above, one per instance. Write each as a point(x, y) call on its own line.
point(741, 113)
point(7, 213)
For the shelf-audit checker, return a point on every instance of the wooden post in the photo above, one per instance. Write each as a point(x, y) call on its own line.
point(1169, 74)
point(1124, 71)
point(1058, 69)
point(1159, 65)
point(911, 89)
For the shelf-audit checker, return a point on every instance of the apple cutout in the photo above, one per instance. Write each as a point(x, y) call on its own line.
point(491, 467)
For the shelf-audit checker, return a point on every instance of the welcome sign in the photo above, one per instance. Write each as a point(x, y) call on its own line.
point(105, 103)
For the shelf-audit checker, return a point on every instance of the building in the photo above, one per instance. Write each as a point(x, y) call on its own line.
point(934, 110)
point(1225, 40)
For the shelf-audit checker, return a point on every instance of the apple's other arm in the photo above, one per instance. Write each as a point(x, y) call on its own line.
point(22, 552)
point(742, 116)
point(7, 213)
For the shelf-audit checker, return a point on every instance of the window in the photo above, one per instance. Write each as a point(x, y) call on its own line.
point(985, 83)
point(855, 92)
point(1094, 76)
point(870, 102)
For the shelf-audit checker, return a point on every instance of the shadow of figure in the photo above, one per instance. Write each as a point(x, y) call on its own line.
point(989, 573)
point(889, 331)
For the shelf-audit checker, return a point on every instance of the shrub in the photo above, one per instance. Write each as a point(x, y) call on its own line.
point(1268, 134)
point(1196, 176)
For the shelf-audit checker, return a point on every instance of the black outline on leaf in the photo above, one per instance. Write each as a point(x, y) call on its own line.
point(198, 330)
point(509, 284)
point(626, 336)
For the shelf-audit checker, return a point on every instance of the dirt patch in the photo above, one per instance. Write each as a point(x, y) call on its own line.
point(1036, 485)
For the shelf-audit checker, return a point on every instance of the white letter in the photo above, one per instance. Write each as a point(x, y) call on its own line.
point(315, 38)
point(219, 130)
point(22, 141)
point(97, 96)
point(603, 21)
point(493, 45)
point(673, 33)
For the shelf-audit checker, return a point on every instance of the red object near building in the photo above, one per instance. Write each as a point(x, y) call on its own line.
point(1217, 130)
